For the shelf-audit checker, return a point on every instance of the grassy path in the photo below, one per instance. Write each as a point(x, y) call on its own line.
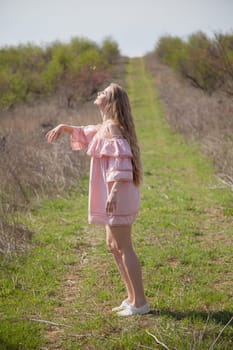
point(183, 237)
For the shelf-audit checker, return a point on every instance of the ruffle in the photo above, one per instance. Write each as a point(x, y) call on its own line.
point(81, 136)
point(119, 175)
point(111, 147)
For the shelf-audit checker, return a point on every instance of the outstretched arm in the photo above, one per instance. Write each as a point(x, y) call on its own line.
point(55, 133)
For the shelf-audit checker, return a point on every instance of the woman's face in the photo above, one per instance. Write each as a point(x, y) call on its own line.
point(102, 98)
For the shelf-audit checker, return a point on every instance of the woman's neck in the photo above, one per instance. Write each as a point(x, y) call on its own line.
point(106, 118)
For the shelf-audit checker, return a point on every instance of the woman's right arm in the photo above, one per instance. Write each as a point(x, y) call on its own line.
point(55, 133)
point(80, 136)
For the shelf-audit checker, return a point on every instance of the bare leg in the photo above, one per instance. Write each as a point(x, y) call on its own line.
point(120, 265)
point(123, 244)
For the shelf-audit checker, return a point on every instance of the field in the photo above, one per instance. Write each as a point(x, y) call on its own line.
point(59, 294)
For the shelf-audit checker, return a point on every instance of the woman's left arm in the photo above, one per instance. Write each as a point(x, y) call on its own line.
point(119, 170)
point(111, 203)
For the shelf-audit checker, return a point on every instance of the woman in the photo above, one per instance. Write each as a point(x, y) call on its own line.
point(115, 176)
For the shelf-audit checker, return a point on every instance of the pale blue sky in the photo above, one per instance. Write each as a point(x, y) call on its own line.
point(135, 24)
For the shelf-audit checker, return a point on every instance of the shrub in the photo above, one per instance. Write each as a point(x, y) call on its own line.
point(51, 76)
point(222, 54)
point(80, 45)
point(13, 88)
point(110, 50)
point(27, 71)
point(171, 50)
point(199, 67)
point(207, 63)
point(90, 58)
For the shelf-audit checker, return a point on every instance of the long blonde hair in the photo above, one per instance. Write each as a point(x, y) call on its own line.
point(119, 110)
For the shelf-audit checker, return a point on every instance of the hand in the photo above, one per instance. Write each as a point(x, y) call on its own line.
point(55, 133)
point(111, 203)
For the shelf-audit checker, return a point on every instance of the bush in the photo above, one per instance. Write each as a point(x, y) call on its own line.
point(171, 50)
point(90, 58)
point(207, 63)
point(110, 50)
point(51, 76)
point(28, 71)
point(199, 67)
point(13, 88)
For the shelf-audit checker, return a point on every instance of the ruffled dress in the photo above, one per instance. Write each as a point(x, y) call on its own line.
point(111, 160)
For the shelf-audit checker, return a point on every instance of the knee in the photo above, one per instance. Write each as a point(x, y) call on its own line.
point(112, 247)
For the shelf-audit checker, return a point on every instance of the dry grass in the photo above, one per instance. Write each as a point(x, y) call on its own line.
point(198, 116)
point(13, 238)
point(28, 163)
point(29, 167)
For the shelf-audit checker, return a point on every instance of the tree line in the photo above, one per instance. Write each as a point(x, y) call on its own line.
point(30, 71)
point(206, 62)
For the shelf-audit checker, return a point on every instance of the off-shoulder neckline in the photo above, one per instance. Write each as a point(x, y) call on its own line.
point(112, 137)
point(114, 146)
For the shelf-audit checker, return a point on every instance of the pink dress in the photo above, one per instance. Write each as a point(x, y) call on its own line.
point(110, 161)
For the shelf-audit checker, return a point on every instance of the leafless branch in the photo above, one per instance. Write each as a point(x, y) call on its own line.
point(158, 341)
point(220, 333)
point(49, 322)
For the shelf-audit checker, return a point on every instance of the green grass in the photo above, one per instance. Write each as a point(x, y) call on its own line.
point(183, 237)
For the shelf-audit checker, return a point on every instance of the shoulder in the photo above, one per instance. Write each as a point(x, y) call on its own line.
point(114, 130)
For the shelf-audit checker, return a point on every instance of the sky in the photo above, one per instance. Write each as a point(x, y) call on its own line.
point(136, 25)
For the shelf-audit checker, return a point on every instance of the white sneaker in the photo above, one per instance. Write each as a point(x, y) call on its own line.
point(123, 306)
point(132, 310)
